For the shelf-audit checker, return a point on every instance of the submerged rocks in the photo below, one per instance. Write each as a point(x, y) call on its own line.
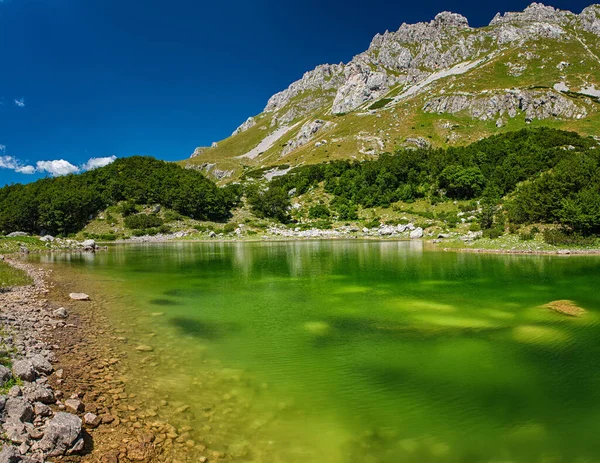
point(144, 348)
point(62, 436)
point(79, 296)
point(565, 307)
point(92, 420)
point(74, 405)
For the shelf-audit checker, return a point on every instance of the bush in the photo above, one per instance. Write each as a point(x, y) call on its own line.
point(272, 203)
point(165, 229)
point(527, 236)
point(319, 211)
point(468, 207)
point(557, 237)
point(127, 208)
point(474, 227)
point(322, 224)
point(229, 228)
point(375, 223)
point(141, 221)
point(492, 233)
point(172, 216)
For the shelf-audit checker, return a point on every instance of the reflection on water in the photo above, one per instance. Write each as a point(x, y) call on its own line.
point(359, 351)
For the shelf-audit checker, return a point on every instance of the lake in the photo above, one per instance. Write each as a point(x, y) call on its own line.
point(357, 351)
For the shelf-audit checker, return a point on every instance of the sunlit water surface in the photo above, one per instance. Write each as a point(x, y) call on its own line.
point(359, 351)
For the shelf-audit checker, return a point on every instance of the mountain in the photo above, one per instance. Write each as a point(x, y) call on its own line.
point(440, 83)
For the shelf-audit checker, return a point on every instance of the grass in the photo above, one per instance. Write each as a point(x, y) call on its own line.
point(10, 276)
point(512, 242)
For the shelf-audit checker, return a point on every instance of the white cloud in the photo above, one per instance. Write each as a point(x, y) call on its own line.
point(8, 162)
point(29, 170)
point(20, 103)
point(57, 167)
point(94, 163)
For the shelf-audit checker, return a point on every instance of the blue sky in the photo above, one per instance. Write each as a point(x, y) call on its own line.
point(83, 81)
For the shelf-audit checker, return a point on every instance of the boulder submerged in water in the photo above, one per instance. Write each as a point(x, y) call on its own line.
point(79, 296)
point(566, 307)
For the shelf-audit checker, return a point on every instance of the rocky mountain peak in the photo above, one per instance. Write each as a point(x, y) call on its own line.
point(527, 66)
point(536, 12)
point(446, 18)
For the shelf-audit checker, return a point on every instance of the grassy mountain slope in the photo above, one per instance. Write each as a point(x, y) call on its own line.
point(536, 68)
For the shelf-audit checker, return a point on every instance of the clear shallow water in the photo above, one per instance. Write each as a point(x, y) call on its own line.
point(359, 351)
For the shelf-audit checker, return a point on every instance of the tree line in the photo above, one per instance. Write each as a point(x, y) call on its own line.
point(537, 175)
point(64, 205)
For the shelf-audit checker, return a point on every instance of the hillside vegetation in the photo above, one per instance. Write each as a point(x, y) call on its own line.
point(530, 176)
point(64, 205)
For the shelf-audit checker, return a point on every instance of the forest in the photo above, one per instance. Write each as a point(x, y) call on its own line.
point(64, 205)
point(529, 176)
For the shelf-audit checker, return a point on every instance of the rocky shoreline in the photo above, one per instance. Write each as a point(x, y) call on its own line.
point(66, 395)
point(38, 421)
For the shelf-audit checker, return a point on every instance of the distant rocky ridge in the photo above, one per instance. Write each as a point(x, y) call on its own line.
point(534, 65)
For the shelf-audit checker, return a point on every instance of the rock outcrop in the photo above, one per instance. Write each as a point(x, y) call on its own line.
point(534, 104)
point(248, 124)
point(524, 63)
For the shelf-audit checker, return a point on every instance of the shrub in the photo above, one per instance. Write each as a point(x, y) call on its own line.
point(319, 211)
point(468, 207)
point(492, 233)
point(229, 228)
point(375, 223)
point(141, 221)
point(322, 224)
point(526, 236)
point(172, 216)
point(127, 208)
point(557, 237)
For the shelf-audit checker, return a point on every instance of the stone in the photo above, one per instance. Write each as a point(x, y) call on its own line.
point(15, 432)
point(144, 348)
point(61, 312)
point(47, 238)
point(416, 233)
point(18, 409)
point(107, 418)
point(17, 234)
point(41, 364)
point(37, 393)
point(62, 436)
point(565, 307)
point(91, 420)
point(10, 454)
point(41, 409)
point(74, 405)
point(23, 369)
point(5, 375)
point(89, 245)
point(79, 296)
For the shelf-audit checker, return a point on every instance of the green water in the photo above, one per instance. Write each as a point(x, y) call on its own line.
point(360, 351)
